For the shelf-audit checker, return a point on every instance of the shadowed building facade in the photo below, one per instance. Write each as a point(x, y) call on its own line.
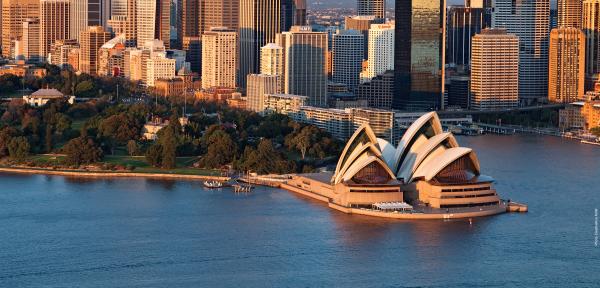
point(260, 21)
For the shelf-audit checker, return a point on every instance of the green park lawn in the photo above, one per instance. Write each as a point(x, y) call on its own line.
point(141, 166)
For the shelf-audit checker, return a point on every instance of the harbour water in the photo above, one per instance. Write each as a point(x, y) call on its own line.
point(68, 232)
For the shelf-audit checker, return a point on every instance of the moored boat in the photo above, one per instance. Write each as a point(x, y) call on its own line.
point(213, 184)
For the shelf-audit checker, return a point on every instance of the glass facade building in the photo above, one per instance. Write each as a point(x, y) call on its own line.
point(419, 55)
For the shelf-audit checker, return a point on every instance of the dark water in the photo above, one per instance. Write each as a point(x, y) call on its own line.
point(65, 232)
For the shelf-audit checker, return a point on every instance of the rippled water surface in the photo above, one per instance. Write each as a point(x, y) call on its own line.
point(67, 232)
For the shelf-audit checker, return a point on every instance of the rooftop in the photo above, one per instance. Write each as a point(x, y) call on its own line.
point(47, 93)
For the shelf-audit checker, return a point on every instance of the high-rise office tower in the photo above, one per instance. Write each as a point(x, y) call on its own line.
point(570, 13)
point(146, 21)
point(219, 13)
point(591, 28)
point(463, 24)
point(419, 54)
point(260, 21)
point(381, 51)
point(300, 12)
point(529, 20)
point(494, 70)
point(566, 65)
point(362, 24)
point(14, 12)
point(190, 16)
point(163, 16)
point(258, 86)
point(90, 42)
point(347, 56)
point(371, 7)
point(219, 61)
point(305, 59)
point(153, 21)
point(193, 52)
point(123, 20)
point(271, 62)
point(86, 13)
point(54, 23)
point(31, 40)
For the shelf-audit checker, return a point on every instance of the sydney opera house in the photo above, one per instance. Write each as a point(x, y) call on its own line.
point(428, 175)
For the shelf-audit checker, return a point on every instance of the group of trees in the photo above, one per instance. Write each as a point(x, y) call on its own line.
point(214, 133)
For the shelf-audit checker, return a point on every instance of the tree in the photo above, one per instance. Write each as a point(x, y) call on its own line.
point(595, 131)
point(6, 134)
point(221, 150)
point(132, 148)
point(154, 155)
point(168, 140)
point(265, 159)
point(303, 140)
point(48, 138)
point(82, 150)
point(18, 148)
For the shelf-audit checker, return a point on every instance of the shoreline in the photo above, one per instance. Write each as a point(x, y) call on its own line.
point(101, 174)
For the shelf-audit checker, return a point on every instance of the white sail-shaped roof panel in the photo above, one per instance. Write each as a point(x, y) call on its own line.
point(362, 136)
point(430, 118)
point(413, 160)
point(430, 169)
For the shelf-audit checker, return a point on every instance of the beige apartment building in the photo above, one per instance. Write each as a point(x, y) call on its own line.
point(566, 65)
point(219, 58)
point(494, 70)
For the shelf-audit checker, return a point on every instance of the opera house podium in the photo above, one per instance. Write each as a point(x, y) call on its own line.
point(427, 171)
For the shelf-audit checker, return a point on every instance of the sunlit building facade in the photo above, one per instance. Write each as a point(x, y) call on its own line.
point(495, 70)
point(566, 75)
point(419, 54)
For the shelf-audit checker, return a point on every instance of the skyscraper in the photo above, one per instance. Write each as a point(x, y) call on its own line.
point(162, 29)
point(494, 70)
point(146, 21)
point(529, 20)
point(14, 12)
point(123, 20)
point(54, 23)
point(271, 62)
point(566, 65)
point(31, 40)
point(190, 18)
point(258, 86)
point(362, 24)
point(219, 61)
point(86, 13)
point(300, 12)
point(305, 56)
point(260, 21)
point(570, 13)
point(591, 28)
point(219, 13)
point(463, 24)
point(192, 45)
point(347, 53)
point(381, 51)
point(371, 7)
point(419, 54)
point(90, 42)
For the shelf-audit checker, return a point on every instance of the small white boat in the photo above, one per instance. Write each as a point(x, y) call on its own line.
point(213, 184)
